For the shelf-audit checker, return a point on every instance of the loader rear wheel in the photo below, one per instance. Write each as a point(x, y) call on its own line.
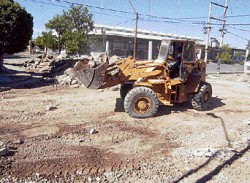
point(141, 102)
point(125, 88)
point(202, 100)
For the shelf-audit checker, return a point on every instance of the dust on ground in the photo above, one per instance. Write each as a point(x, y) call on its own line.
point(178, 145)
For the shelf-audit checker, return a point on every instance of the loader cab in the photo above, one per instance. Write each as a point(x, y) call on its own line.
point(188, 58)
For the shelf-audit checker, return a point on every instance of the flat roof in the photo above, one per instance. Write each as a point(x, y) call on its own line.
point(143, 34)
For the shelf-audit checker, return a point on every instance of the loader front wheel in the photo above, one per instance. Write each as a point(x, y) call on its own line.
point(141, 102)
point(202, 100)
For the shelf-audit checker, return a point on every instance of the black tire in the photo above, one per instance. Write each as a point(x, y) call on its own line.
point(141, 102)
point(202, 100)
point(125, 88)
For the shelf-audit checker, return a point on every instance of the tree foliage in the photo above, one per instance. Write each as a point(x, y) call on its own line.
point(74, 24)
point(47, 40)
point(16, 27)
point(225, 54)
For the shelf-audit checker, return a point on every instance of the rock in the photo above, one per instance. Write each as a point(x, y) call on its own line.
point(2, 144)
point(118, 175)
point(81, 140)
point(93, 131)
point(243, 78)
point(4, 151)
point(247, 122)
point(18, 141)
point(97, 56)
point(49, 57)
point(89, 179)
point(74, 82)
point(69, 71)
point(50, 107)
point(114, 59)
point(115, 88)
point(74, 86)
point(62, 55)
point(92, 64)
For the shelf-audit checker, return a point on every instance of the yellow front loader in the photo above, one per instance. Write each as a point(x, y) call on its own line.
point(147, 84)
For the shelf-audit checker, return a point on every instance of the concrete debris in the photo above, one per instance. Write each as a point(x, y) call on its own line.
point(74, 86)
point(81, 140)
point(4, 151)
point(50, 107)
point(93, 131)
point(73, 82)
point(61, 69)
point(115, 88)
point(62, 55)
point(18, 141)
point(68, 78)
point(247, 122)
point(46, 65)
point(97, 56)
point(244, 78)
point(114, 59)
point(89, 179)
point(2, 144)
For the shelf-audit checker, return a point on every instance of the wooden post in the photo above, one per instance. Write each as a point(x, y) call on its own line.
point(30, 47)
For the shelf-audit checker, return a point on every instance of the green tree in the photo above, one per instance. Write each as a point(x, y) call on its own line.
point(47, 40)
point(16, 28)
point(73, 26)
point(225, 54)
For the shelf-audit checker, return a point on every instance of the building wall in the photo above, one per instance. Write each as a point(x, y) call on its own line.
point(124, 46)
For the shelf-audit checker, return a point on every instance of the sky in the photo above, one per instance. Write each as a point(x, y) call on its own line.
point(181, 17)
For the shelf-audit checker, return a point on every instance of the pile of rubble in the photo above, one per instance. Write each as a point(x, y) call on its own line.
point(47, 65)
point(62, 69)
point(69, 77)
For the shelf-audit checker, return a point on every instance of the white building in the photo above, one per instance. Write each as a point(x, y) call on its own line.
point(120, 41)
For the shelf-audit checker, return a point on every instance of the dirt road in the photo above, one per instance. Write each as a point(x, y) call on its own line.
point(47, 131)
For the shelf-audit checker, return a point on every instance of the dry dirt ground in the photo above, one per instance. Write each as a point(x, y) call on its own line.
point(178, 145)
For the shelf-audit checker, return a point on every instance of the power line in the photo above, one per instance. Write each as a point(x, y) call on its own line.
point(127, 12)
point(237, 35)
point(155, 18)
point(243, 30)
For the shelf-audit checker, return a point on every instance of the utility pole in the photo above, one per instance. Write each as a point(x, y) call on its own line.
point(222, 34)
point(136, 26)
point(208, 31)
point(247, 51)
point(222, 30)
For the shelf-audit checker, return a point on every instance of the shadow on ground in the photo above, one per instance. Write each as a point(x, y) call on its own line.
point(217, 169)
point(13, 79)
point(165, 110)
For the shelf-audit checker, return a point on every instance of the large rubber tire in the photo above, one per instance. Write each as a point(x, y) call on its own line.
point(125, 88)
point(141, 102)
point(202, 100)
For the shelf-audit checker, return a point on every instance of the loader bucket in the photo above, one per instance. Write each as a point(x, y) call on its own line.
point(90, 77)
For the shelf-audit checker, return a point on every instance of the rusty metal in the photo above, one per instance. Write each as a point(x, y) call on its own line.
point(142, 105)
point(90, 77)
point(98, 76)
